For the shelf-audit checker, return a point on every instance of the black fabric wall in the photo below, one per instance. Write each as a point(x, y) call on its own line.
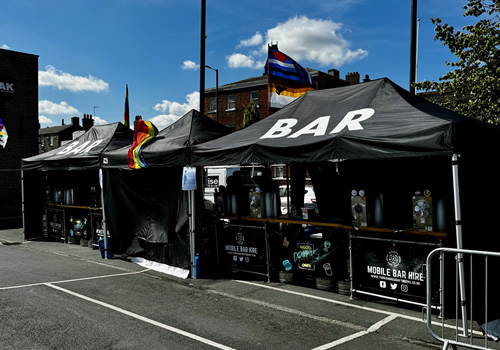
point(146, 214)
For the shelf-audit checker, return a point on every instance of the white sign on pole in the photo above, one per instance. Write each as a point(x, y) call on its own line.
point(189, 179)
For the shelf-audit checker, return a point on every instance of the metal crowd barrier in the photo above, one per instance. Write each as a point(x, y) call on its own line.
point(466, 302)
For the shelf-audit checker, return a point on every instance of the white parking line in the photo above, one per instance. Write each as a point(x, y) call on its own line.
point(86, 260)
point(373, 328)
point(391, 315)
point(144, 319)
point(74, 280)
point(333, 301)
point(290, 311)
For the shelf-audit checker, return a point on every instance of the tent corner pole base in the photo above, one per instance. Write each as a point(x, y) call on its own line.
point(458, 224)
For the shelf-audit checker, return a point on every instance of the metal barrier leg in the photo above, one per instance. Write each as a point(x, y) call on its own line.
point(474, 280)
point(446, 343)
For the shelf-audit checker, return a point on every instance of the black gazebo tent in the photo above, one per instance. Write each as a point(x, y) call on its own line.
point(148, 211)
point(372, 121)
point(83, 153)
point(390, 137)
point(74, 164)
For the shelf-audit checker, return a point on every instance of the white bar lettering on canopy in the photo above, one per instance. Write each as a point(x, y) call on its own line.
point(83, 148)
point(351, 123)
point(282, 128)
point(318, 127)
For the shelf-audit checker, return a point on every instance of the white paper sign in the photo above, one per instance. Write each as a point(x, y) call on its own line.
point(189, 179)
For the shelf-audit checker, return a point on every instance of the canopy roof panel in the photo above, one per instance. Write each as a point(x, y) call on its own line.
point(84, 152)
point(172, 145)
point(371, 120)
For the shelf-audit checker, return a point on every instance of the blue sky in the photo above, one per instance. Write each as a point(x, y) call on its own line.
point(90, 49)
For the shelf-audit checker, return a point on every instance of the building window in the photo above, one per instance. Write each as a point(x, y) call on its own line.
point(213, 105)
point(51, 142)
point(230, 102)
point(254, 96)
point(279, 171)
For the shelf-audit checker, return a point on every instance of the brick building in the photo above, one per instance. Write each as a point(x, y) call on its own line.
point(50, 138)
point(19, 113)
point(233, 98)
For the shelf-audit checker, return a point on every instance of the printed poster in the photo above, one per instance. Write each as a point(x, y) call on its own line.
point(391, 269)
point(189, 179)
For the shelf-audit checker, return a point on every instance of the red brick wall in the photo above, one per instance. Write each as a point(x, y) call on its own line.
point(242, 100)
point(20, 117)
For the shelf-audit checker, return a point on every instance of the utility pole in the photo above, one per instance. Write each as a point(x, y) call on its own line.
point(95, 108)
point(413, 48)
point(216, 92)
point(416, 52)
point(202, 56)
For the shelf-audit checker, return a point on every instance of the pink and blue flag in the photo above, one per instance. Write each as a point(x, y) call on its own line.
point(287, 80)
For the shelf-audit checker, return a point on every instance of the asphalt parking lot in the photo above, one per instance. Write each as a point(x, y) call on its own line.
point(62, 296)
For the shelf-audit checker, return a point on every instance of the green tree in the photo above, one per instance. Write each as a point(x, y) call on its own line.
point(250, 115)
point(475, 80)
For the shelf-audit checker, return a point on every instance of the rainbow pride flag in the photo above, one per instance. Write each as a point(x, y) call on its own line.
point(143, 133)
point(3, 134)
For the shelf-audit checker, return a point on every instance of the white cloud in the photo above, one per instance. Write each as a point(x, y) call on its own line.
point(60, 109)
point(161, 121)
point(255, 40)
point(238, 60)
point(65, 81)
point(45, 106)
point(5, 47)
point(314, 40)
point(190, 65)
point(44, 120)
point(99, 120)
point(171, 111)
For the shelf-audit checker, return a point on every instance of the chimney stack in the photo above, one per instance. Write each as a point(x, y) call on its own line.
point(137, 118)
point(352, 78)
point(334, 72)
point(87, 121)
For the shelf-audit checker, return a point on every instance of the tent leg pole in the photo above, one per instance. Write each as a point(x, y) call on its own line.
point(460, 257)
point(193, 225)
point(191, 257)
point(268, 252)
point(191, 230)
point(104, 228)
point(22, 201)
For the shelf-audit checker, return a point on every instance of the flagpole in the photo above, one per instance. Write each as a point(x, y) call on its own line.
point(413, 46)
point(267, 71)
point(126, 118)
point(202, 56)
